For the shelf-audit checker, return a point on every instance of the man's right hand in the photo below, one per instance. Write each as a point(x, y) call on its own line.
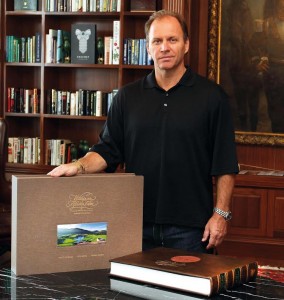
point(70, 169)
point(92, 162)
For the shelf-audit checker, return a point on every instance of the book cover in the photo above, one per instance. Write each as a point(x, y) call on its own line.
point(30, 5)
point(83, 43)
point(203, 274)
point(74, 223)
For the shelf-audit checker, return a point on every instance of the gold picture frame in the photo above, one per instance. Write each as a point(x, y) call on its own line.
point(213, 73)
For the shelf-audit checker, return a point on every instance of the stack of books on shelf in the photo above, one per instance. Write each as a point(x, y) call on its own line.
point(23, 100)
point(58, 46)
point(79, 103)
point(25, 150)
point(83, 5)
point(85, 48)
point(80, 45)
point(57, 151)
point(135, 52)
point(23, 49)
point(111, 46)
point(62, 151)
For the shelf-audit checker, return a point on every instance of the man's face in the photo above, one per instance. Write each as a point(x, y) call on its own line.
point(166, 43)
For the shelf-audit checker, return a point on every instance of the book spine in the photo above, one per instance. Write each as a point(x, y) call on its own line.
point(233, 278)
point(107, 50)
point(99, 99)
point(59, 48)
point(116, 42)
point(10, 149)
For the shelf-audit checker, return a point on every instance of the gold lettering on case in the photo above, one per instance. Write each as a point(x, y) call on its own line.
point(82, 204)
point(169, 263)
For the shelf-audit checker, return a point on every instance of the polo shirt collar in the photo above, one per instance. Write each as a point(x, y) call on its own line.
point(187, 79)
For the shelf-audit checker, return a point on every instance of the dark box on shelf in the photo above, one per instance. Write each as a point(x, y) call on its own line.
point(30, 5)
point(143, 5)
point(83, 43)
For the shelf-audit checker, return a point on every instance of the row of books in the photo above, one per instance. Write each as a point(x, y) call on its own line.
point(88, 48)
point(135, 52)
point(58, 46)
point(83, 5)
point(62, 151)
point(23, 100)
point(23, 49)
point(25, 150)
point(58, 151)
point(79, 103)
point(65, 47)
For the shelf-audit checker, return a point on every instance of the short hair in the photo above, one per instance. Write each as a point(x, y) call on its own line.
point(157, 15)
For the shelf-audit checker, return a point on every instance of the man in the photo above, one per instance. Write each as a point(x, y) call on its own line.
point(174, 128)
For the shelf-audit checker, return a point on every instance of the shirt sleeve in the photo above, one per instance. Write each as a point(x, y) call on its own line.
point(224, 154)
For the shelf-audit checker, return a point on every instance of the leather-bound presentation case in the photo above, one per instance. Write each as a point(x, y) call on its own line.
point(74, 223)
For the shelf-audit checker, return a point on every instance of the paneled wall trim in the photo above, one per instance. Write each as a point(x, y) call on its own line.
point(257, 227)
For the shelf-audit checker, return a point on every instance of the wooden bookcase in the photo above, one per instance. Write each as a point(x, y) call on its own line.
point(64, 76)
point(46, 76)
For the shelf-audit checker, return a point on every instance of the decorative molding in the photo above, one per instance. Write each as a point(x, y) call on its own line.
point(255, 138)
point(213, 40)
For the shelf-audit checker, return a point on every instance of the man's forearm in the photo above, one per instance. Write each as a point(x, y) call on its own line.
point(225, 185)
point(92, 162)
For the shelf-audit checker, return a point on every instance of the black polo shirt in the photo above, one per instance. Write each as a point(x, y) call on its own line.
point(177, 139)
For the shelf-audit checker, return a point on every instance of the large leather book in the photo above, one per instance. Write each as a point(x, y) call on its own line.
point(74, 223)
point(203, 274)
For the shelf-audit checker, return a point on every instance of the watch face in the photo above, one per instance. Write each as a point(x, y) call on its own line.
point(228, 216)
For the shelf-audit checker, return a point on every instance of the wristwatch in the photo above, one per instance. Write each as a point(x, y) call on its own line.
point(227, 215)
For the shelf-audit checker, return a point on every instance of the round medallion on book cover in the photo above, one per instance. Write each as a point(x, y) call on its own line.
point(185, 259)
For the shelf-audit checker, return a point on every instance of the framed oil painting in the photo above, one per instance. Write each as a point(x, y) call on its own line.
point(246, 56)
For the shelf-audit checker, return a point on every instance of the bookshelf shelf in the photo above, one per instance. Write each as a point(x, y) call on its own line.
point(22, 64)
point(23, 115)
point(83, 66)
point(23, 13)
point(86, 118)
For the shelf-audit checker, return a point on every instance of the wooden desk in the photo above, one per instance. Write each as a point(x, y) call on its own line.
point(95, 284)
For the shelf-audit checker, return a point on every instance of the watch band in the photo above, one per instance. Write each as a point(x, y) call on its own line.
point(227, 215)
point(80, 166)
